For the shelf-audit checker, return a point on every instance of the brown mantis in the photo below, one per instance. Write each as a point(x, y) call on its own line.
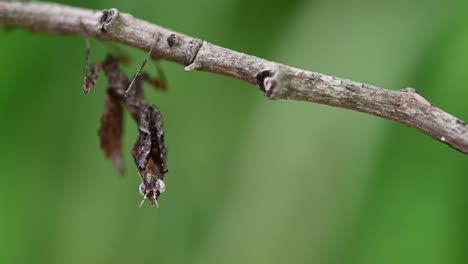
point(149, 151)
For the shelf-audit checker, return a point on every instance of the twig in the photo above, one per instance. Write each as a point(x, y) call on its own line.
point(277, 81)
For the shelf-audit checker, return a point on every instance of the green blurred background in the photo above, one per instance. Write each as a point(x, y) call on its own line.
point(251, 180)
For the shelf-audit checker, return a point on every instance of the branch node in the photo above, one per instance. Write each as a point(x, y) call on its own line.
point(192, 51)
point(172, 40)
point(459, 122)
point(416, 96)
point(193, 66)
point(408, 90)
point(106, 19)
point(273, 83)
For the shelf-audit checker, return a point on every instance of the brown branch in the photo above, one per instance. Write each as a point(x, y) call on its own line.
point(277, 81)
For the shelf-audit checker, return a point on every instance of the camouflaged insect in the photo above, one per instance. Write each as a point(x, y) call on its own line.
point(149, 151)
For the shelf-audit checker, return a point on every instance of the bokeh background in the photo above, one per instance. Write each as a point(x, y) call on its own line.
point(251, 180)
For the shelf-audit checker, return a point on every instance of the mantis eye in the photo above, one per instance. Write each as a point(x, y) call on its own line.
point(152, 192)
point(160, 186)
point(142, 189)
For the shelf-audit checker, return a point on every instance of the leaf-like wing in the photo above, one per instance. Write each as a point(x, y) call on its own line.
point(110, 133)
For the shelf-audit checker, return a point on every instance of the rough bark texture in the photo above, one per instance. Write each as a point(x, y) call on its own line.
point(277, 81)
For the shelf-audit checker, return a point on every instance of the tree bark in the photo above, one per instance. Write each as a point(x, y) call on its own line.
point(275, 80)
